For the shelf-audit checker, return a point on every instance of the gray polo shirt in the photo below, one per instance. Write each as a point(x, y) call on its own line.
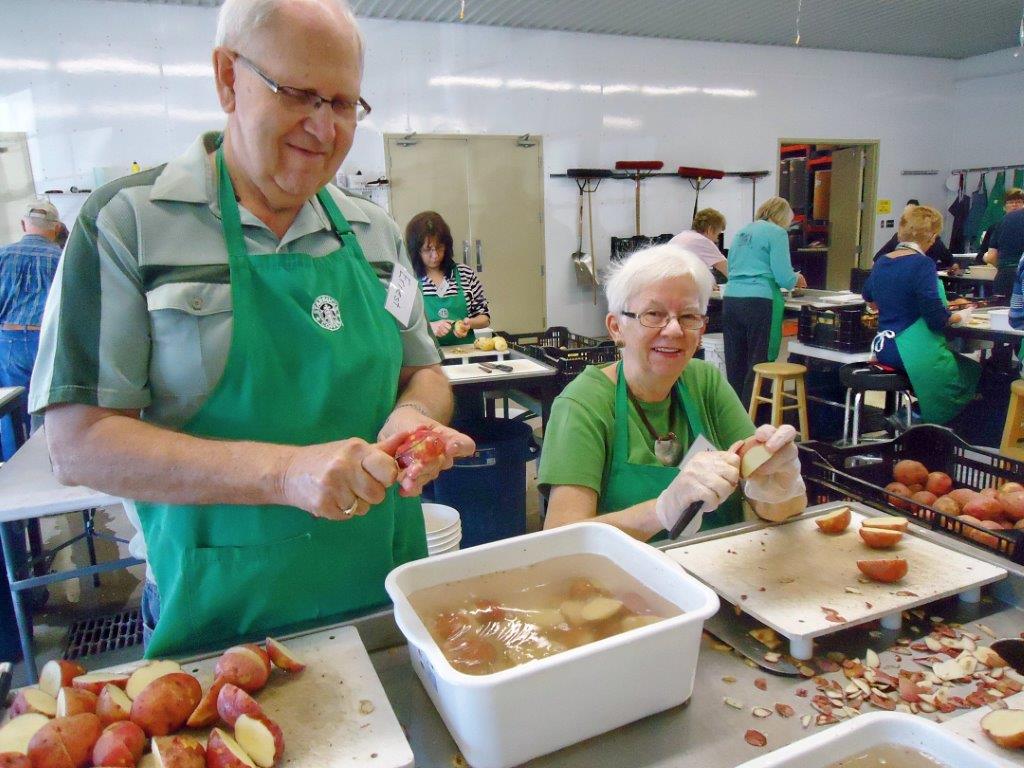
point(139, 316)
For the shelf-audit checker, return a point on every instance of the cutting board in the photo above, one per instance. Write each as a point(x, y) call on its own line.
point(784, 575)
point(521, 366)
point(468, 351)
point(334, 713)
point(968, 726)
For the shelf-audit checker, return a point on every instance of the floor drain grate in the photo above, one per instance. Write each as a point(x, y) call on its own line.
point(104, 633)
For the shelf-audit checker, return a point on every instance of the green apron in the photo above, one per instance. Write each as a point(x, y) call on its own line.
point(628, 484)
point(450, 308)
point(778, 310)
point(314, 358)
point(943, 381)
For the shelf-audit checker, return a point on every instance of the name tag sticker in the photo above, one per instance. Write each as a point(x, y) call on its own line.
point(401, 294)
point(700, 445)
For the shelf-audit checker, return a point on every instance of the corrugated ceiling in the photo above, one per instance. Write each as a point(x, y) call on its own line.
point(951, 29)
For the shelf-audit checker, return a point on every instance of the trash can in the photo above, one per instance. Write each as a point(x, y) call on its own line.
point(489, 487)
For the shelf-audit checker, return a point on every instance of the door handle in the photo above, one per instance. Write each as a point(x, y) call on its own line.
point(479, 255)
point(465, 252)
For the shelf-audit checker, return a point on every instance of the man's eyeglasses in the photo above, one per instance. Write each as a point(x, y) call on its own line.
point(310, 101)
point(655, 318)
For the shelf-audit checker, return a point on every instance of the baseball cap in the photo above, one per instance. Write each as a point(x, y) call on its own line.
point(41, 210)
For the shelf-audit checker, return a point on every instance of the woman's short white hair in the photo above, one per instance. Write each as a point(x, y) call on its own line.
point(239, 19)
point(642, 269)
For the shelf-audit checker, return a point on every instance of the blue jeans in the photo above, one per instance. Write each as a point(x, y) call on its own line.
point(17, 356)
point(150, 611)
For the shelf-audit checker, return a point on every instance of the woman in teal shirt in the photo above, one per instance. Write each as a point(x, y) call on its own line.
point(759, 268)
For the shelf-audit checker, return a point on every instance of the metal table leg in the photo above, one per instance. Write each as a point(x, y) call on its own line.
point(24, 629)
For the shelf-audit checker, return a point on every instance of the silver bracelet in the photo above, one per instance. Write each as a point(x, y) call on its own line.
point(415, 406)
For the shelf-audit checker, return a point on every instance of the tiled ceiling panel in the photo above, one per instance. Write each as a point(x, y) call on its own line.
point(951, 29)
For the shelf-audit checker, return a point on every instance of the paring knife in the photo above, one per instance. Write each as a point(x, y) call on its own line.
point(492, 367)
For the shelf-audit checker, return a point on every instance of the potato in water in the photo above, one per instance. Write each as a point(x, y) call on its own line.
point(497, 621)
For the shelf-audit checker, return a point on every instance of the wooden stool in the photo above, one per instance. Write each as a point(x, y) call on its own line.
point(1013, 433)
point(778, 374)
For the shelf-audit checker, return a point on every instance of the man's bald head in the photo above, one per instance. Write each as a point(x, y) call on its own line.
point(240, 21)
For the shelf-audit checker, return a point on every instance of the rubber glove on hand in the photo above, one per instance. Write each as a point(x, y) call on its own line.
point(778, 479)
point(708, 477)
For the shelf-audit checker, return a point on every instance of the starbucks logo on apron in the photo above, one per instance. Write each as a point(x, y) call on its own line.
point(443, 313)
point(327, 313)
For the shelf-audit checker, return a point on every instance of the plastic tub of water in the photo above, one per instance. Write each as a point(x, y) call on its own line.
point(508, 717)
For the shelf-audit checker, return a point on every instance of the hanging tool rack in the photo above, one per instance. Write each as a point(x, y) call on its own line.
point(587, 180)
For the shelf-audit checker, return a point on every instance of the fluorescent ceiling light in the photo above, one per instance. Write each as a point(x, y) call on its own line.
point(195, 69)
point(107, 64)
point(590, 88)
point(664, 90)
point(621, 123)
point(540, 85)
point(198, 115)
point(24, 65)
point(621, 88)
point(472, 82)
point(739, 93)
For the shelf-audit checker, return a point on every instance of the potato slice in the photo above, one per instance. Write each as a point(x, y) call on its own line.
point(18, 732)
point(145, 675)
point(1005, 727)
point(600, 608)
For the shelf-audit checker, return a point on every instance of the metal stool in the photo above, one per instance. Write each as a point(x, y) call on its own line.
point(1012, 443)
point(778, 374)
point(859, 378)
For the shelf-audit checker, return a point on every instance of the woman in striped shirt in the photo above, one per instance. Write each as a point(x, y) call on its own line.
point(452, 295)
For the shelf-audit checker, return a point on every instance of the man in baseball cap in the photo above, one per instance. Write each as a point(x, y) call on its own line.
point(27, 268)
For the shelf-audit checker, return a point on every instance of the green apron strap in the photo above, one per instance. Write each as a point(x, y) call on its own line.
point(778, 310)
point(230, 217)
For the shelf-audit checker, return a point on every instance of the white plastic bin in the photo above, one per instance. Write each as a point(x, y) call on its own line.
point(509, 717)
point(870, 730)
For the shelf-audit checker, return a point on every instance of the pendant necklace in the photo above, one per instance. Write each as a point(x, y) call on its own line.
point(667, 447)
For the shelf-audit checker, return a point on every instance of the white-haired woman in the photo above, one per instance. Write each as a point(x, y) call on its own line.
point(759, 266)
point(617, 434)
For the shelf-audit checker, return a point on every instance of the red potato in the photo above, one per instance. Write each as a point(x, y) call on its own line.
point(222, 751)
point(885, 571)
point(57, 674)
point(247, 666)
point(895, 501)
point(925, 498)
point(984, 508)
point(113, 705)
point(985, 539)
point(962, 495)
point(75, 701)
point(205, 713)
point(938, 483)
point(34, 700)
point(947, 505)
point(1011, 487)
point(95, 681)
point(234, 702)
point(1005, 727)
point(147, 673)
point(990, 493)
point(14, 760)
point(282, 657)
point(834, 522)
point(120, 744)
point(888, 523)
point(17, 732)
point(166, 703)
point(261, 738)
point(1019, 525)
point(179, 752)
point(1013, 505)
point(66, 742)
point(879, 538)
point(910, 472)
point(422, 446)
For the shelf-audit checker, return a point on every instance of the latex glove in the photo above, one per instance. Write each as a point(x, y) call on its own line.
point(441, 328)
point(778, 479)
point(709, 477)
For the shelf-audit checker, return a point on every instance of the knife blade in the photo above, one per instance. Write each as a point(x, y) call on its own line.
point(486, 368)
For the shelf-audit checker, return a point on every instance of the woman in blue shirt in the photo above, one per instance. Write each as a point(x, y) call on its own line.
point(759, 266)
point(912, 315)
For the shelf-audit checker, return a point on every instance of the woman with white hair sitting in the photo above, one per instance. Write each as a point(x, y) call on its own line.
point(617, 434)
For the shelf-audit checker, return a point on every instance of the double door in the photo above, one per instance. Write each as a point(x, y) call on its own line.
point(489, 190)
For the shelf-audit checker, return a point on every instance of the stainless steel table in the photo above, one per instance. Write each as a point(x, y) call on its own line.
point(29, 491)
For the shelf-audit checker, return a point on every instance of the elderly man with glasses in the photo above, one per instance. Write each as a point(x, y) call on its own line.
point(637, 443)
point(239, 347)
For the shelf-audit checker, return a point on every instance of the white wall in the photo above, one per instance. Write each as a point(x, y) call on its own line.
point(989, 114)
point(593, 99)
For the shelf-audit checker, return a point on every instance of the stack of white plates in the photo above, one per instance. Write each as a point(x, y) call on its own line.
point(444, 528)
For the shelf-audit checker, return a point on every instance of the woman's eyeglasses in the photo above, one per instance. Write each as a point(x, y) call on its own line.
point(655, 318)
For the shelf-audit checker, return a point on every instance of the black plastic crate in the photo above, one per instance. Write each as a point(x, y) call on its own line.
point(100, 634)
point(569, 353)
point(861, 472)
point(622, 247)
point(839, 328)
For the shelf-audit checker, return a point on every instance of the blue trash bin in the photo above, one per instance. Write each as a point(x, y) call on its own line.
point(489, 487)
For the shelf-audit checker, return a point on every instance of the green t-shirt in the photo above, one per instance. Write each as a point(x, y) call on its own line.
point(579, 436)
